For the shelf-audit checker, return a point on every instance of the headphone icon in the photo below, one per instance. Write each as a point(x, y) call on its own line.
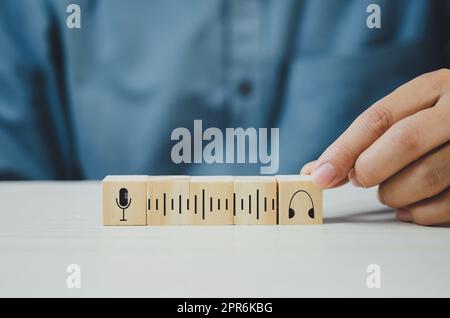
point(310, 211)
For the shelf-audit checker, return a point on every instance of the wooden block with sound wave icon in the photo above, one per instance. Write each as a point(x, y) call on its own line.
point(211, 199)
point(255, 200)
point(124, 200)
point(300, 201)
point(168, 201)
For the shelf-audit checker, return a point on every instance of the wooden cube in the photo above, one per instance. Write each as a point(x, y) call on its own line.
point(255, 200)
point(300, 201)
point(168, 201)
point(212, 200)
point(124, 200)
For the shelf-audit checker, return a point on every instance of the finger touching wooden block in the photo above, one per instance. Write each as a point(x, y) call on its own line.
point(212, 200)
point(124, 200)
point(168, 200)
point(255, 200)
point(300, 201)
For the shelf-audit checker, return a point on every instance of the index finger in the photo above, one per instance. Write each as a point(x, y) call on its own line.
point(339, 158)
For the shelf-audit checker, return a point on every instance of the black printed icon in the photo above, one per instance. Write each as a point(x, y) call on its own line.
point(311, 213)
point(123, 203)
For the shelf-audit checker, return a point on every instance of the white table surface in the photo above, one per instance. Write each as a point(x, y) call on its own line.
point(45, 226)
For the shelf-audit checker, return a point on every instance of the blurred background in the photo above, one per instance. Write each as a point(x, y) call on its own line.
point(105, 98)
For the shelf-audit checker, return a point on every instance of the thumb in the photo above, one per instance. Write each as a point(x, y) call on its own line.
point(333, 166)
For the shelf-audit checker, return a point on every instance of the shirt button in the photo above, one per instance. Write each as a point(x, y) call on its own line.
point(245, 88)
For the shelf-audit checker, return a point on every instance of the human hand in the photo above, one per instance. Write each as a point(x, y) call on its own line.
point(402, 144)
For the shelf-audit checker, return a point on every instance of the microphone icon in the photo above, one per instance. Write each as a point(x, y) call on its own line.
point(123, 203)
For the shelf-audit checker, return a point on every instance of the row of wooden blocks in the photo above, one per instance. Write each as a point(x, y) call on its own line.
point(211, 200)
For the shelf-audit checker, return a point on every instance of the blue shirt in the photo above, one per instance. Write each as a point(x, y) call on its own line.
point(104, 99)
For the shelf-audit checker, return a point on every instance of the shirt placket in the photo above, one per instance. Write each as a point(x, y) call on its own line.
point(245, 28)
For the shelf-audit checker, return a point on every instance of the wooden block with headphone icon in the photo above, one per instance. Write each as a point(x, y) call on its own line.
point(300, 202)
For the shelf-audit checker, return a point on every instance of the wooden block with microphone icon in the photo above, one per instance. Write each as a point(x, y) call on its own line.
point(300, 202)
point(124, 200)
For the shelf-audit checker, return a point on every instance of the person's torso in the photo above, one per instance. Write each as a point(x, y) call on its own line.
point(137, 70)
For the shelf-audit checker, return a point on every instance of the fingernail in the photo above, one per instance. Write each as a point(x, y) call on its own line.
point(354, 180)
point(324, 175)
point(303, 171)
point(307, 168)
point(404, 215)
